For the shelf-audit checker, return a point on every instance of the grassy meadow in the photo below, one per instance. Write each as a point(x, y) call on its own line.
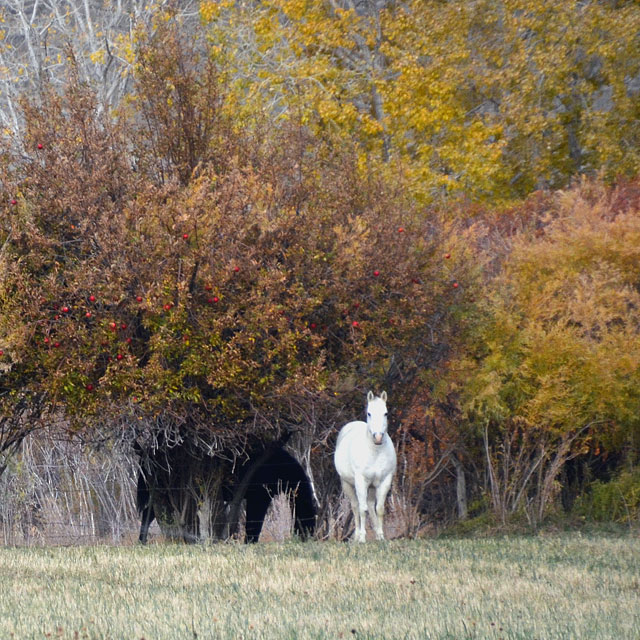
point(564, 586)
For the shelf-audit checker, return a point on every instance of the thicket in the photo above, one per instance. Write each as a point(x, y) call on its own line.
point(200, 265)
point(617, 500)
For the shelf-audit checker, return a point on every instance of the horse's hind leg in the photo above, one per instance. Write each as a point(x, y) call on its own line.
point(258, 502)
point(148, 515)
point(350, 492)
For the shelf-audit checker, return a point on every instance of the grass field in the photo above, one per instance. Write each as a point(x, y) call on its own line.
point(565, 586)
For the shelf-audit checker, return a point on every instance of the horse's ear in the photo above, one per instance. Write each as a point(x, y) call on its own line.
point(370, 396)
point(383, 396)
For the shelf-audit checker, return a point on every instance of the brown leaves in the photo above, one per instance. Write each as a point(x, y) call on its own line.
point(234, 275)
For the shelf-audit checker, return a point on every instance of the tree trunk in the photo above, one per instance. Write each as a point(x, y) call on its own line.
point(461, 488)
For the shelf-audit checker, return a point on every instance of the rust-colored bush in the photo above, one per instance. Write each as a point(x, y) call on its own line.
point(166, 266)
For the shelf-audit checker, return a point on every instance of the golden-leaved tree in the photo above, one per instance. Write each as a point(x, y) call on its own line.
point(556, 367)
point(489, 99)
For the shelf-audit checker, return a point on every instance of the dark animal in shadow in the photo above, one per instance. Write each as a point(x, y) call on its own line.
point(278, 473)
point(263, 477)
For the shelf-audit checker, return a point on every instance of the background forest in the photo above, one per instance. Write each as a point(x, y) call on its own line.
point(223, 222)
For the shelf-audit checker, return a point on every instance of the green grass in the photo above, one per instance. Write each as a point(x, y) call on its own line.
point(565, 586)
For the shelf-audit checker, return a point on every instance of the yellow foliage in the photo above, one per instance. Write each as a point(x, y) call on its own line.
point(562, 348)
point(98, 57)
point(487, 99)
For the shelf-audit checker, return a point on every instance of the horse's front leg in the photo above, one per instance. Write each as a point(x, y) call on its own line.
point(361, 492)
point(371, 507)
point(350, 492)
point(381, 496)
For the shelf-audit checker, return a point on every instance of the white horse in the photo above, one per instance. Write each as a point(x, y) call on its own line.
point(365, 460)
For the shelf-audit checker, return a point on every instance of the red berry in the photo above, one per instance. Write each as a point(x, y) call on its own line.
point(56, 344)
point(89, 387)
point(167, 306)
point(88, 314)
point(455, 285)
point(185, 236)
point(40, 145)
point(123, 326)
point(313, 325)
point(216, 299)
point(376, 273)
point(65, 309)
point(447, 255)
point(139, 298)
point(355, 324)
point(1, 352)
point(113, 326)
point(400, 229)
point(14, 202)
point(236, 269)
point(92, 298)
point(119, 356)
point(129, 340)
point(46, 340)
point(207, 287)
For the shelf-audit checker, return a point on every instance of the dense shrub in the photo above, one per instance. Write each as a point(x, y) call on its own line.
point(617, 500)
point(168, 267)
point(185, 268)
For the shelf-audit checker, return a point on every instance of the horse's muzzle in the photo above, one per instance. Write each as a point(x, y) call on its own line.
point(377, 438)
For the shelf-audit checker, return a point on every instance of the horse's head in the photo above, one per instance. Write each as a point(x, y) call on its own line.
point(377, 416)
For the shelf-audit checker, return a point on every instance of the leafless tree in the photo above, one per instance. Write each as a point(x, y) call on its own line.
point(42, 39)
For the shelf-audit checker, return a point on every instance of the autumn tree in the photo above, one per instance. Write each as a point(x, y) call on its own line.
point(486, 99)
point(170, 275)
point(554, 372)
